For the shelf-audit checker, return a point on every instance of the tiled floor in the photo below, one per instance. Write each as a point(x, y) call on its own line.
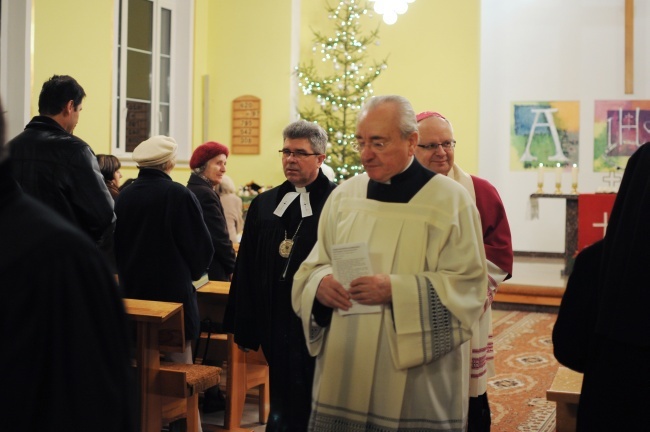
point(250, 419)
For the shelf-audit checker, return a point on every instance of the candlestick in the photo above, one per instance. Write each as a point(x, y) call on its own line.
point(540, 178)
point(574, 179)
point(558, 178)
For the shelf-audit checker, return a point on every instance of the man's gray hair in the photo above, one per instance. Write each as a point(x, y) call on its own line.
point(303, 129)
point(407, 121)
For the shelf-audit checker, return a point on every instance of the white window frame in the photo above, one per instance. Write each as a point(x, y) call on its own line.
point(15, 63)
point(181, 69)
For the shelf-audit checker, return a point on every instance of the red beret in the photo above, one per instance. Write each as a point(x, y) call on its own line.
point(427, 114)
point(205, 152)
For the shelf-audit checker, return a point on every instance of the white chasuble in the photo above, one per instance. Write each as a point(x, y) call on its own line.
point(404, 368)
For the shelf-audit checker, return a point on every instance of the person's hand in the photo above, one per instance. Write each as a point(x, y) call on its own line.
point(371, 290)
point(331, 293)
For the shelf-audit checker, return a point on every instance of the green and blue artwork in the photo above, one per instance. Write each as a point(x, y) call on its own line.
point(544, 133)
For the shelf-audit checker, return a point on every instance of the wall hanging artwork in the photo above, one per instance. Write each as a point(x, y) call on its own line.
point(544, 133)
point(620, 127)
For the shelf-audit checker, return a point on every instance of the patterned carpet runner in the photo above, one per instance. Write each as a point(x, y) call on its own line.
point(525, 368)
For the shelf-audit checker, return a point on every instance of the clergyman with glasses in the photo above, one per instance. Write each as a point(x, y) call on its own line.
point(404, 366)
point(279, 232)
point(435, 150)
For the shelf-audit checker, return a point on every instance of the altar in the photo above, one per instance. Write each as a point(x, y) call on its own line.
point(570, 227)
point(585, 221)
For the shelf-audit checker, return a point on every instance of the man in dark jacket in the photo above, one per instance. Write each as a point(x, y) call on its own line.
point(60, 169)
point(279, 233)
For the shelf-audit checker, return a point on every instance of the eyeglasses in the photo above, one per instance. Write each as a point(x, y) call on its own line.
point(434, 146)
point(376, 147)
point(298, 154)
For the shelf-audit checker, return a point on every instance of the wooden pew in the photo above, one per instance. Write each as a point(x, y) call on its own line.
point(159, 326)
point(565, 392)
point(170, 391)
point(245, 370)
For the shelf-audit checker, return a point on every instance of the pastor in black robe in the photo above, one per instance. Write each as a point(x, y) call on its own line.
point(259, 311)
point(66, 356)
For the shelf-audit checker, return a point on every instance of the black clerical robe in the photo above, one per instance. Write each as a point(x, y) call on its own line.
point(616, 387)
point(259, 309)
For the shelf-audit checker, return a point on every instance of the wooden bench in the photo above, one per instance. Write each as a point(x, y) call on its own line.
point(159, 327)
point(180, 385)
point(245, 371)
point(565, 392)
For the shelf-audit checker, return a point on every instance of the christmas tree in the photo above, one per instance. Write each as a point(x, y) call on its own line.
point(336, 96)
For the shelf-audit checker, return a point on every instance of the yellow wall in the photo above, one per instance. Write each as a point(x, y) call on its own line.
point(73, 37)
point(248, 53)
point(433, 60)
point(244, 46)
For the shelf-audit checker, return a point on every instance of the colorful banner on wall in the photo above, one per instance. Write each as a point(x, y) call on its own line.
point(620, 127)
point(544, 132)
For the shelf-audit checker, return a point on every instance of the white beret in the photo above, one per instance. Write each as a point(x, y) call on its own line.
point(155, 151)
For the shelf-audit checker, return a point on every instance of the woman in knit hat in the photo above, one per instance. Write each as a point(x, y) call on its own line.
point(161, 241)
point(208, 163)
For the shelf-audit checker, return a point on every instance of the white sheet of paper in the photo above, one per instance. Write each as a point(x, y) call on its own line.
point(350, 261)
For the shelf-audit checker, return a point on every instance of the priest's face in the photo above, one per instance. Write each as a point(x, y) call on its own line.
point(384, 151)
point(435, 132)
point(300, 164)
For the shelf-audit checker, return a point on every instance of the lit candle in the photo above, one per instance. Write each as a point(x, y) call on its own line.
point(540, 174)
point(558, 174)
point(574, 174)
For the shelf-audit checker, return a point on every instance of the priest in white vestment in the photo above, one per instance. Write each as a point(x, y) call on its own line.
point(402, 367)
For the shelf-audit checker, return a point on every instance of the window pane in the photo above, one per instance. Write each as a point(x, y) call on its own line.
point(165, 31)
point(164, 120)
point(140, 24)
point(138, 76)
point(164, 79)
point(137, 124)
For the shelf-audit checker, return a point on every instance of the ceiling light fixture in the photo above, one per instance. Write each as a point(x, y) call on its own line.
point(389, 9)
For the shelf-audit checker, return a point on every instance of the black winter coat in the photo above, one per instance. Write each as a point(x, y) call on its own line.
point(223, 261)
point(161, 243)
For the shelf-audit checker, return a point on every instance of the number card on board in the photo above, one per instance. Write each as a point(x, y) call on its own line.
point(246, 119)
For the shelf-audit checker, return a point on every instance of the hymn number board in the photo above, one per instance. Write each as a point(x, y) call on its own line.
point(246, 119)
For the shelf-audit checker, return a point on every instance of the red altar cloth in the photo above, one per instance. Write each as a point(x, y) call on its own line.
point(593, 215)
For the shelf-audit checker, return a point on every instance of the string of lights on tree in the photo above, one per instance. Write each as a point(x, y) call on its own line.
point(337, 88)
